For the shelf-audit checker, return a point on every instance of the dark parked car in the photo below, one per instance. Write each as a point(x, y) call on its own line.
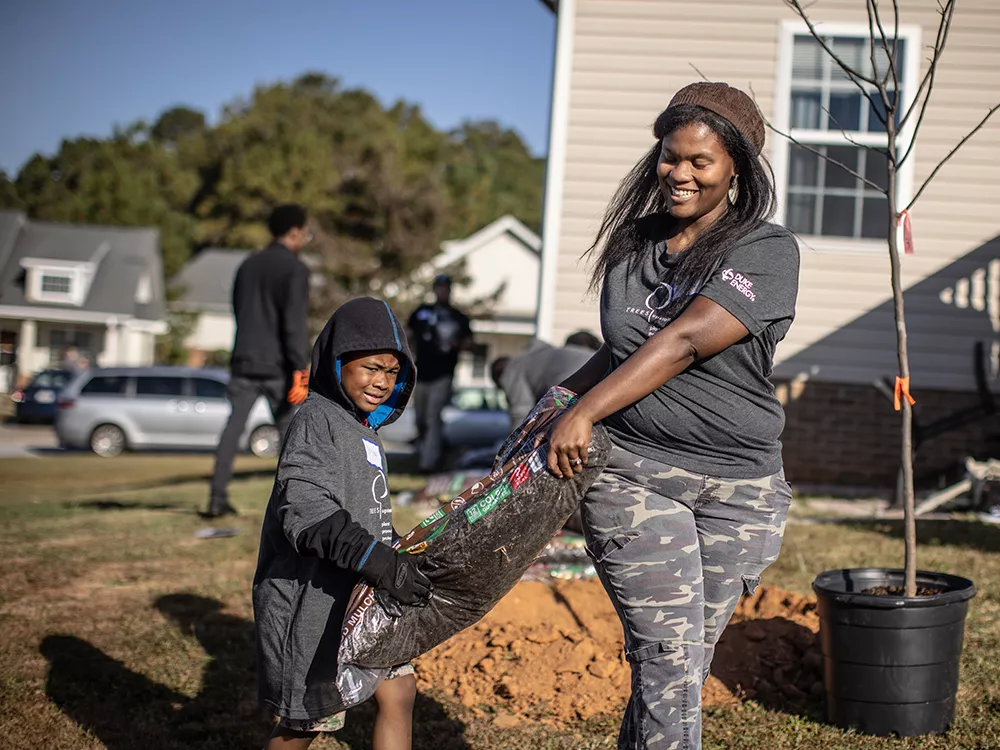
point(36, 402)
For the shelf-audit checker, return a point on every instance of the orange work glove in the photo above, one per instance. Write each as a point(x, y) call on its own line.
point(300, 387)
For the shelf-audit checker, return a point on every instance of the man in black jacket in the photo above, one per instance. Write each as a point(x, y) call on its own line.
point(271, 353)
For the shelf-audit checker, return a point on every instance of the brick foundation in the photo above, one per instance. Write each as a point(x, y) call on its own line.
point(849, 435)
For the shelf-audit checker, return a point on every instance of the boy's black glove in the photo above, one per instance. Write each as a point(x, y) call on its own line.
point(395, 574)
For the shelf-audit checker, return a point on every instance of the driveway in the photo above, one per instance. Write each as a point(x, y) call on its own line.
point(26, 441)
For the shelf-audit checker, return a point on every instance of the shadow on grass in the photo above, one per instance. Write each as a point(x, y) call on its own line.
point(938, 532)
point(128, 710)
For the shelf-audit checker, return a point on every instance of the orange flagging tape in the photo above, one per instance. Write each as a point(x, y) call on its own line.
point(902, 388)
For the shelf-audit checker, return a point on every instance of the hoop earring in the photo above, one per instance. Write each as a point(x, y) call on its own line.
point(734, 191)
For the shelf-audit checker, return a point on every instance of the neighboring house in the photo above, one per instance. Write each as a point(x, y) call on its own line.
point(99, 289)
point(204, 287)
point(618, 63)
point(501, 257)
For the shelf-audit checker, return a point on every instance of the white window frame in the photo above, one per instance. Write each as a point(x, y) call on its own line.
point(69, 276)
point(781, 146)
point(78, 273)
point(73, 297)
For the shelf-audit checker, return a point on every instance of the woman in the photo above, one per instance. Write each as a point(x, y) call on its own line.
point(697, 289)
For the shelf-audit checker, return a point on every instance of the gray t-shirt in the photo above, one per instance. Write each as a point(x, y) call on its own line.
point(329, 462)
point(720, 416)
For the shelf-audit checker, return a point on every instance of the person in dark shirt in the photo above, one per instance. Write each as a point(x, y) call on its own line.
point(697, 290)
point(438, 332)
point(328, 525)
point(271, 352)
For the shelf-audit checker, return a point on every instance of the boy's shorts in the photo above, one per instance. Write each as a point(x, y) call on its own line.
point(335, 722)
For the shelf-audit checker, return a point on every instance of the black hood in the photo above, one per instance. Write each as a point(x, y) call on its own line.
point(362, 325)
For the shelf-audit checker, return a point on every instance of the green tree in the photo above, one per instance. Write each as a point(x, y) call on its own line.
point(371, 178)
point(177, 123)
point(9, 197)
point(126, 180)
point(491, 173)
point(383, 187)
point(171, 348)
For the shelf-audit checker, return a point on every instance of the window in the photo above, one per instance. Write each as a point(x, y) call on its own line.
point(51, 379)
point(208, 388)
point(166, 387)
point(479, 399)
point(826, 111)
point(57, 285)
point(105, 385)
point(61, 339)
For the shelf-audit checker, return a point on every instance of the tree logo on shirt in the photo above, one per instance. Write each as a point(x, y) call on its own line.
point(659, 298)
point(741, 283)
point(656, 301)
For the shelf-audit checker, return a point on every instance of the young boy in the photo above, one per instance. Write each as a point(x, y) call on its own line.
point(328, 524)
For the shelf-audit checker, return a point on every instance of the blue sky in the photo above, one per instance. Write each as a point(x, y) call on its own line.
point(78, 68)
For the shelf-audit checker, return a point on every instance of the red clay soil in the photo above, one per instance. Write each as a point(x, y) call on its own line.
point(554, 653)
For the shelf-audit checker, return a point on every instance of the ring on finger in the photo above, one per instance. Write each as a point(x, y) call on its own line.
point(577, 461)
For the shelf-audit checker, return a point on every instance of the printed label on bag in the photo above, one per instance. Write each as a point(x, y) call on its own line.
point(519, 476)
point(488, 503)
point(439, 513)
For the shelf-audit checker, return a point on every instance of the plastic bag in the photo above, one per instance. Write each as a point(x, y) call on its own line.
point(475, 549)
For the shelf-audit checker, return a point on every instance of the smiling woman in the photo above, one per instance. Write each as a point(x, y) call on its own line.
point(697, 288)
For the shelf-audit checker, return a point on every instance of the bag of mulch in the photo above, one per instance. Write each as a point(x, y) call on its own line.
point(474, 550)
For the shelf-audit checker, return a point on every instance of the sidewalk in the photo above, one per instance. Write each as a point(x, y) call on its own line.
point(831, 510)
point(26, 441)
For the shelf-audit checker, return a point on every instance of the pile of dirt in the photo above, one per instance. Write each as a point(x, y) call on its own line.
point(555, 653)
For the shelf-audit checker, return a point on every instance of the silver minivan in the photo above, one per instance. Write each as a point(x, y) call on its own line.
point(112, 409)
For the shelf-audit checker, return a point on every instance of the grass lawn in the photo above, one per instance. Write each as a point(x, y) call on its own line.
point(121, 630)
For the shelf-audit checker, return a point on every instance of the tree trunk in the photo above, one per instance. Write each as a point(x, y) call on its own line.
point(909, 516)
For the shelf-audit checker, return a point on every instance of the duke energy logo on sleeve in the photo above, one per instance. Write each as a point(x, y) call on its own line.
point(741, 283)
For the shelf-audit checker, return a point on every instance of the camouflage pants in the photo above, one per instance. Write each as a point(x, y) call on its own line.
point(675, 551)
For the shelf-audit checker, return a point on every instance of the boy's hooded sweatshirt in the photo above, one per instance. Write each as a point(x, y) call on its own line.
point(330, 499)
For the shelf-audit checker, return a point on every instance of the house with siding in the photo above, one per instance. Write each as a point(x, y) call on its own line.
point(99, 289)
point(499, 262)
point(204, 289)
point(617, 64)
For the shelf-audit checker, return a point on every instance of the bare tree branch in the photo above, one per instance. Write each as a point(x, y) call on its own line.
point(874, 21)
point(796, 6)
point(856, 78)
point(944, 26)
point(828, 159)
point(895, 50)
point(951, 153)
point(703, 76)
point(847, 136)
point(889, 49)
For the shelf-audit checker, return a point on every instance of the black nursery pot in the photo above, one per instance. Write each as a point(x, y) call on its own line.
point(891, 662)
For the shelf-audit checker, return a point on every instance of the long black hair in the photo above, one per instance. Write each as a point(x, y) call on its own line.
point(639, 195)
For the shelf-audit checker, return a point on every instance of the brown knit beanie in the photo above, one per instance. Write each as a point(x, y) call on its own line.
point(729, 103)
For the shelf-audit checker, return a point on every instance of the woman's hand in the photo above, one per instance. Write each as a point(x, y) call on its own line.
point(568, 444)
